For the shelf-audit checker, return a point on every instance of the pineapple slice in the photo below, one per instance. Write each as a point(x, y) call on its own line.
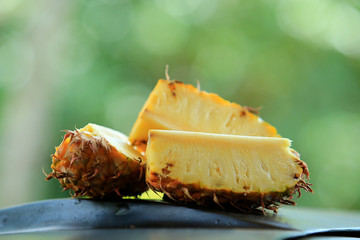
point(242, 172)
point(96, 161)
point(173, 105)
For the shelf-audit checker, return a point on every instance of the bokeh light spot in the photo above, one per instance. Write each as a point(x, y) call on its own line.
point(124, 104)
point(16, 62)
point(71, 50)
point(223, 65)
point(331, 144)
point(7, 6)
point(108, 22)
point(305, 19)
point(178, 7)
point(344, 32)
point(325, 23)
point(158, 32)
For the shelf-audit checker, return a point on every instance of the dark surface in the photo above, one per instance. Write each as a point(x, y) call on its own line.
point(141, 219)
point(89, 214)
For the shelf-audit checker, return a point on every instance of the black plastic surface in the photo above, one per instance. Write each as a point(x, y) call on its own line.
point(90, 214)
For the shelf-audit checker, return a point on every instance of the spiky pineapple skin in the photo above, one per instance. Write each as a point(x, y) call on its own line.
point(225, 199)
point(89, 166)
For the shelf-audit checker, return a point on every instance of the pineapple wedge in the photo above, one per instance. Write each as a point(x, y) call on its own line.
point(96, 161)
point(242, 172)
point(173, 105)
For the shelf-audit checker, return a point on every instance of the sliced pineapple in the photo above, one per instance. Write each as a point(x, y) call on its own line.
point(173, 105)
point(96, 161)
point(242, 172)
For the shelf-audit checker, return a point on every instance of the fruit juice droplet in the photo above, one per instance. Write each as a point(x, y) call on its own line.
point(123, 209)
point(3, 220)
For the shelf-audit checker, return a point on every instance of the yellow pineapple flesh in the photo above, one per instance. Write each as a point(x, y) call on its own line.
point(229, 171)
point(96, 161)
point(173, 105)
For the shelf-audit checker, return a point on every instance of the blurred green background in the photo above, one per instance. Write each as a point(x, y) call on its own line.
point(66, 63)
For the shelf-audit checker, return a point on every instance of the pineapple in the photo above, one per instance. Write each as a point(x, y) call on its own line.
point(228, 171)
point(96, 161)
point(173, 105)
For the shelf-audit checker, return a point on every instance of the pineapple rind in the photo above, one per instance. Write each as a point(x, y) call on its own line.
point(88, 165)
point(248, 202)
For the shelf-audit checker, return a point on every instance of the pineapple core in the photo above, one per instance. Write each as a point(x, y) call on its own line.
point(96, 161)
point(243, 171)
point(173, 105)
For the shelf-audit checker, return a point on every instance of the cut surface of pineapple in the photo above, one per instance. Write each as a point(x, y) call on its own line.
point(96, 161)
point(173, 105)
point(241, 171)
point(114, 138)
